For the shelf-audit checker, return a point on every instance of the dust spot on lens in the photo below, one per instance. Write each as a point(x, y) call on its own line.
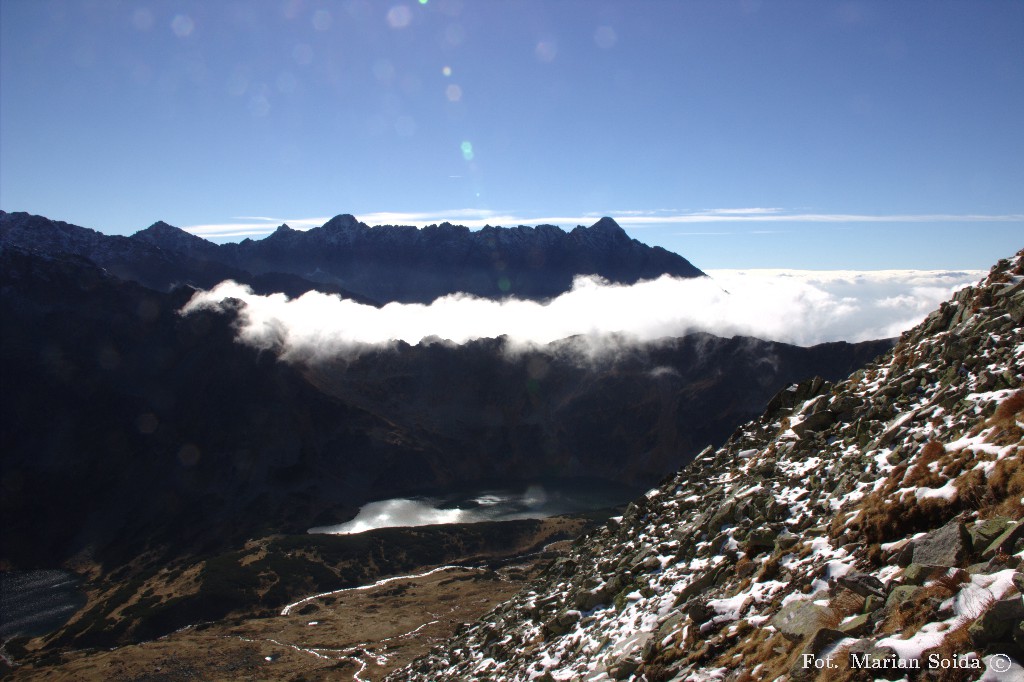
point(147, 423)
point(188, 455)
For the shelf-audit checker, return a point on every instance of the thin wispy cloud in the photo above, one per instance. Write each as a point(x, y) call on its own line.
point(476, 218)
point(801, 307)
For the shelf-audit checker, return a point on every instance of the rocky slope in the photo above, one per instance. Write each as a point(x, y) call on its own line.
point(874, 522)
point(378, 264)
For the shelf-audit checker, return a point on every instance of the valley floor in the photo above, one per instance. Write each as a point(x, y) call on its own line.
point(357, 633)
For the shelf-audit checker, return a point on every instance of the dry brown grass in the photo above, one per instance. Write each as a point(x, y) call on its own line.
point(846, 603)
point(950, 583)
point(920, 474)
point(1006, 413)
point(1006, 485)
point(843, 672)
point(768, 649)
point(884, 519)
point(908, 617)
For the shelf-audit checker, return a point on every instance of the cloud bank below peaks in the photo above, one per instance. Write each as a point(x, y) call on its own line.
point(802, 307)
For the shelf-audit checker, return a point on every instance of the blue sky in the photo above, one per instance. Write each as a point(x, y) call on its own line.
point(739, 134)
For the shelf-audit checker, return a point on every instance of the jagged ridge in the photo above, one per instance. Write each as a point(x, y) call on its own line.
point(381, 264)
point(879, 516)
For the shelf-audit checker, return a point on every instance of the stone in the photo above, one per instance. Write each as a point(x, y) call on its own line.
point(785, 540)
point(760, 538)
point(919, 574)
point(995, 625)
point(1006, 542)
point(622, 670)
point(818, 643)
point(856, 626)
point(867, 649)
point(873, 603)
point(815, 422)
point(899, 595)
point(799, 619)
point(862, 584)
point(1018, 581)
point(562, 623)
point(985, 532)
point(670, 625)
point(947, 546)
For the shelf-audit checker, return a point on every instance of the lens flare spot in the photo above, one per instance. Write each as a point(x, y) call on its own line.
point(504, 284)
point(302, 54)
point(453, 93)
point(188, 455)
point(143, 19)
point(182, 25)
point(605, 37)
point(399, 16)
point(322, 20)
point(467, 150)
point(546, 51)
point(383, 71)
point(454, 35)
point(147, 423)
point(446, 72)
point(405, 126)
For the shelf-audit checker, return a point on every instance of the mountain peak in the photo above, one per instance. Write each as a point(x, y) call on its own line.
point(607, 224)
point(345, 221)
point(167, 236)
point(162, 229)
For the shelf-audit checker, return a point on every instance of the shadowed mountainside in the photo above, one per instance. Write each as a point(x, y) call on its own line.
point(128, 426)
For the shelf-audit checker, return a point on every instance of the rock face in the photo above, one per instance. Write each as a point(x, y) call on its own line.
point(381, 264)
point(921, 453)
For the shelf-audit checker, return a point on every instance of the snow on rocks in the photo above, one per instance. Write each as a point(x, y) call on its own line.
point(877, 519)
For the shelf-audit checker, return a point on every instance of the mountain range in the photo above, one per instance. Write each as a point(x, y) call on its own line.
point(371, 264)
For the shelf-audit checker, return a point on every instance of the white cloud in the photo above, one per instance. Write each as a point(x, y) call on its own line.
point(796, 306)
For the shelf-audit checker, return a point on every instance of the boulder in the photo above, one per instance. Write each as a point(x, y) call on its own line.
point(760, 538)
point(821, 640)
point(985, 532)
point(996, 624)
point(862, 584)
point(947, 546)
point(624, 669)
point(562, 623)
point(785, 540)
point(899, 595)
point(1006, 542)
point(919, 574)
point(799, 619)
point(856, 626)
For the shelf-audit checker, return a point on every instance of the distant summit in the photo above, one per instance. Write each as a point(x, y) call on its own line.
point(174, 239)
point(382, 264)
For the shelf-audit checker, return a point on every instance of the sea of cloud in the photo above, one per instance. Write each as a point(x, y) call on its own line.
point(803, 307)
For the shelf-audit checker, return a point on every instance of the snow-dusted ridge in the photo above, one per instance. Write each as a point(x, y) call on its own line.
point(872, 523)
